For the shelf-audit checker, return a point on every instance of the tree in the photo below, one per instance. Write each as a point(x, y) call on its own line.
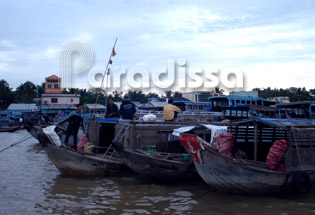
point(71, 91)
point(137, 96)
point(40, 89)
point(219, 91)
point(6, 94)
point(168, 93)
point(294, 94)
point(152, 95)
point(117, 96)
point(178, 94)
point(26, 92)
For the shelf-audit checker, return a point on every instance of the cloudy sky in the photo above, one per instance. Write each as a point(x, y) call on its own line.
point(271, 42)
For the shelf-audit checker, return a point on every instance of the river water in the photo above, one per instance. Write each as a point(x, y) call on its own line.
point(31, 184)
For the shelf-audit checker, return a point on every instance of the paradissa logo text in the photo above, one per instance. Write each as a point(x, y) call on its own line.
point(176, 72)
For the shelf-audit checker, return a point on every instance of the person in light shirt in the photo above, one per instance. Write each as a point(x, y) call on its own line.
point(170, 111)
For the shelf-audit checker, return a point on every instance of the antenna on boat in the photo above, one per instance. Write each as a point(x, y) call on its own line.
point(106, 73)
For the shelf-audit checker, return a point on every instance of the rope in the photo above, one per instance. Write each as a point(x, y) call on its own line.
point(297, 150)
point(20, 141)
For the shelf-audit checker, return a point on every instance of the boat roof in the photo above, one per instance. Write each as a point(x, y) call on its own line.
point(247, 98)
point(296, 104)
point(22, 107)
point(281, 123)
point(58, 107)
point(97, 106)
point(191, 102)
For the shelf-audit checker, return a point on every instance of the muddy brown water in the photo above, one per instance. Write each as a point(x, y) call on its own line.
point(31, 184)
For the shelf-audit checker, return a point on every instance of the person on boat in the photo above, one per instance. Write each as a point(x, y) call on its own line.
point(127, 108)
point(111, 109)
point(170, 111)
point(75, 120)
point(61, 114)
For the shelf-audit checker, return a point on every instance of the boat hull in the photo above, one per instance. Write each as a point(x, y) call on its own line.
point(238, 176)
point(232, 175)
point(158, 169)
point(75, 164)
point(10, 129)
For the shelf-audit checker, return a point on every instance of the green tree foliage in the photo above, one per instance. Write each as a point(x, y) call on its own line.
point(168, 93)
point(294, 94)
point(178, 94)
point(40, 89)
point(152, 95)
point(137, 96)
point(26, 92)
point(6, 94)
point(117, 96)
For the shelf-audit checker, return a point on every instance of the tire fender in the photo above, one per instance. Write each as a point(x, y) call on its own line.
point(301, 181)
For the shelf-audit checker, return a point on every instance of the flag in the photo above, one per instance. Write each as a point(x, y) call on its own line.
point(110, 62)
point(113, 53)
point(108, 71)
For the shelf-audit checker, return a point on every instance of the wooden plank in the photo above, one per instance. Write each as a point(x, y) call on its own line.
point(292, 143)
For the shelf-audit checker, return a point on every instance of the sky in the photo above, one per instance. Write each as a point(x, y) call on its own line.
point(271, 42)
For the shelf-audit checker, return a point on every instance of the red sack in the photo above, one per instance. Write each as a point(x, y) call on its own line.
point(275, 156)
point(82, 142)
point(226, 142)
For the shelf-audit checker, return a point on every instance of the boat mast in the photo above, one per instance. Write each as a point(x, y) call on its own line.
point(106, 73)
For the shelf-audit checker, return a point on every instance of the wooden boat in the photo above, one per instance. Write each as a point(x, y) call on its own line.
point(75, 163)
point(161, 167)
point(134, 140)
point(10, 129)
point(252, 175)
point(7, 126)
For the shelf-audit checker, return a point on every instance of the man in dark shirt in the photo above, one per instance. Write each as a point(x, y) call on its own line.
point(75, 119)
point(111, 109)
point(127, 108)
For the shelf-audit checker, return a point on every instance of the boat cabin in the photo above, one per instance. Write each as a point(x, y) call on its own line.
point(136, 134)
point(217, 101)
point(255, 136)
point(304, 109)
point(190, 106)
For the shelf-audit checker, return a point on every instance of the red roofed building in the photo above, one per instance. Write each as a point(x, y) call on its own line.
point(53, 85)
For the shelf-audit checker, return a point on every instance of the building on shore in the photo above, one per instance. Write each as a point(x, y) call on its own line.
point(53, 101)
point(53, 85)
point(199, 96)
